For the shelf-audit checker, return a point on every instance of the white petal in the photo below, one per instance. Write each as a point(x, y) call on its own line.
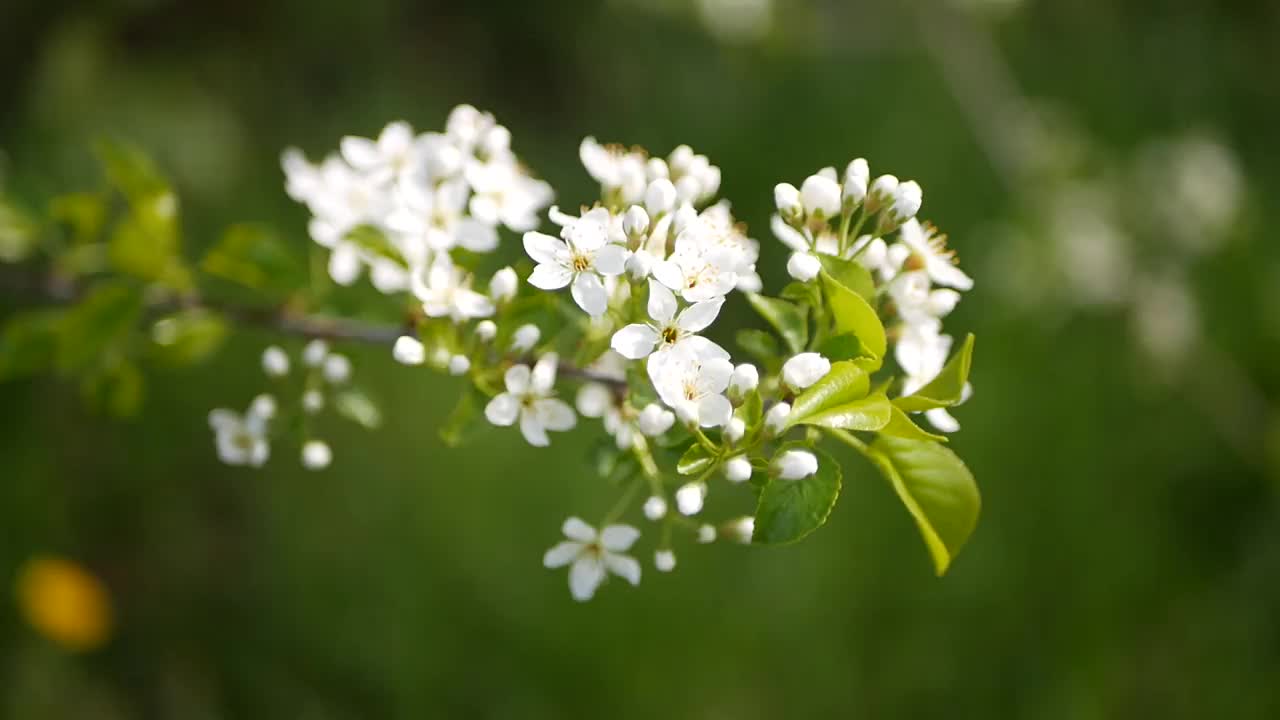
point(562, 554)
point(634, 341)
point(942, 420)
point(714, 411)
point(669, 273)
point(502, 409)
point(699, 315)
point(611, 260)
point(593, 400)
point(555, 415)
point(585, 576)
point(472, 304)
point(589, 293)
point(944, 273)
point(533, 431)
point(544, 374)
point(702, 348)
point(543, 248)
point(223, 419)
point(618, 538)
point(360, 152)
point(517, 379)
point(662, 303)
point(575, 529)
point(714, 375)
point(549, 276)
point(624, 566)
point(476, 236)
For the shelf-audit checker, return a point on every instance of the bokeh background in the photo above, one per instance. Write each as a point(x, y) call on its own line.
point(1106, 170)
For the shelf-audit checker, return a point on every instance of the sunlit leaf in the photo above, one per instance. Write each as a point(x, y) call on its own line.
point(870, 413)
point(29, 343)
point(852, 314)
point(788, 510)
point(102, 322)
point(255, 257)
point(187, 337)
point(695, 460)
point(844, 384)
point(900, 425)
point(850, 273)
point(946, 389)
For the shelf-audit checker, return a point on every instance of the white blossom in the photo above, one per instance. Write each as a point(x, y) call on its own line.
point(664, 560)
point(592, 555)
point(805, 369)
point(697, 270)
point(434, 218)
point(525, 337)
point(907, 199)
point(745, 379)
point(391, 155)
point(737, 469)
point(409, 351)
point(502, 286)
point(445, 291)
point(690, 497)
point(240, 439)
point(694, 386)
point(619, 171)
point(635, 223)
point(735, 430)
point(263, 406)
point(655, 420)
point(312, 401)
point(803, 266)
point(931, 249)
point(529, 399)
point(795, 464)
point(881, 192)
point(337, 369)
point(314, 353)
point(740, 530)
point(275, 362)
point(856, 177)
point(669, 331)
point(486, 330)
point(580, 258)
point(787, 199)
point(706, 533)
point(820, 196)
point(660, 197)
point(316, 455)
point(655, 508)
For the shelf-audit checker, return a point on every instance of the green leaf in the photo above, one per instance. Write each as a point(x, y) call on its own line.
point(904, 427)
point(760, 345)
point(29, 343)
point(853, 315)
point(789, 319)
point(851, 274)
point(255, 257)
point(187, 337)
point(872, 412)
point(465, 418)
point(99, 326)
point(694, 460)
point(139, 249)
point(788, 510)
point(937, 488)
point(359, 408)
point(803, 293)
point(84, 215)
point(946, 389)
point(842, 347)
point(146, 242)
point(844, 384)
point(18, 233)
point(117, 390)
point(130, 171)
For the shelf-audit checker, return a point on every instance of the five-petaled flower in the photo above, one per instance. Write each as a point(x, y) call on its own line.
point(580, 258)
point(592, 555)
point(669, 330)
point(529, 398)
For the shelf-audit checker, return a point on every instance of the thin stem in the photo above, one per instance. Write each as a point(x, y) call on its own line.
point(703, 440)
point(622, 504)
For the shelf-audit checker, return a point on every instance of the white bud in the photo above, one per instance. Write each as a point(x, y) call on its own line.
point(734, 431)
point(745, 378)
point(409, 351)
point(640, 264)
point(795, 464)
point(664, 560)
point(906, 201)
point(502, 286)
point(684, 216)
point(263, 406)
point(737, 469)
point(856, 177)
point(680, 159)
point(689, 498)
point(497, 141)
point(485, 330)
point(275, 363)
point(660, 197)
point(655, 508)
point(804, 370)
point(881, 192)
point(459, 365)
point(777, 417)
point(820, 196)
point(312, 401)
point(787, 198)
point(655, 420)
point(316, 455)
point(740, 530)
point(337, 369)
point(688, 188)
point(525, 337)
point(656, 168)
point(314, 353)
point(803, 266)
point(635, 222)
point(706, 534)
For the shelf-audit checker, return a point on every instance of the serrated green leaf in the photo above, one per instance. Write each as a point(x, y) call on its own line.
point(850, 273)
point(694, 460)
point(870, 413)
point(844, 384)
point(789, 319)
point(187, 337)
point(937, 488)
point(29, 343)
point(852, 314)
point(98, 326)
point(359, 408)
point(946, 389)
point(788, 510)
point(255, 257)
point(900, 425)
point(760, 345)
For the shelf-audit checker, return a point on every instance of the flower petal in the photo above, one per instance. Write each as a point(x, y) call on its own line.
point(703, 348)
point(624, 566)
point(361, 152)
point(634, 341)
point(532, 429)
point(502, 409)
point(699, 315)
point(476, 236)
point(585, 576)
point(714, 375)
point(662, 303)
point(562, 554)
point(589, 293)
point(471, 304)
point(575, 529)
point(611, 260)
point(619, 538)
point(714, 411)
point(543, 248)
point(517, 379)
point(549, 276)
point(555, 415)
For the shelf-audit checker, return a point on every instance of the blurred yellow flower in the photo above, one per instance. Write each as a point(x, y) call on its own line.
point(64, 602)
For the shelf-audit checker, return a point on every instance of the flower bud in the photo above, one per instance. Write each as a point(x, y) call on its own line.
point(314, 353)
point(856, 177)
point(688, 189)
point(409, 351)
point(795, 464)
point(655, 420)
point(706, 534)
point(744, 379)
point(525, 337)
point(657, 168)
point(635, 222)
point(337, 369)
point(737, 469)
point(690, 497)
point(906, 201)
point(263, 406)
point(655, 508)
point(312, 401)
point(803, 266)
point(664, 560)
point(640, 264)
point(680, 159)
point(787, 198)
point(820, 196)
point(685, 216)
point(660, 197)
point(316, 455)
point(804, 370)
point(734, 431)
point(777, 417)
point(740, 530)
point(881, 192)
point(275, 363)
point(459, 365)
point(502, 286)
point(486, 330)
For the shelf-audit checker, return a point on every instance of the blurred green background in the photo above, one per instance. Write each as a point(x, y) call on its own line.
point(1127, 563)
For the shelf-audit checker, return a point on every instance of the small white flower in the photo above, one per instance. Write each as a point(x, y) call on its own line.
point(745, 378)
point(390, 156)
point(337, 369)
point(433, 217)
point(803, 266)
point(445, 291)
point(690, 497)
point(525, 337)
point(580, 258)
point(459, 365)
point(856, 177)
point(275, 363)
point(669, 331)
point(820, 196)
point(263, 406)
point(664, 560)
point(655, 508)
point(240, 439)
point(486, 330)
point(706, 534)
point(698, 270)
point(616, 169)
point(777, 417)
point(735, 430)
point(694, 387)
point(409, 351)
point(804, 370)
point(881, 192)
point(655, 420)
point(931, 249)
point(787, 199)
point(737, 469)
point(795, 464)
point(502, 286)
point(660, 197)
point(312, 401)
point(529, 399)
point(740, 530)
point(314, 353)
point(316, 455)
point(635, 223)
point(592, 555)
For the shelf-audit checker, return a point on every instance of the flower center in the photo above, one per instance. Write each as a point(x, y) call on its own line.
point(690, 391)
point(670, 335)
point(580, 262)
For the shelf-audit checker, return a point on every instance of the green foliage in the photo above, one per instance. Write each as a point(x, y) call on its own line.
point(29, 343)
point(760, 345)
point(937, 488)
point(466, 418)
point(146, 241)
point(870, 413)
point(788, 510)
point(844, 384)
point(83, 215)
point(946, 389)
point(851, 274)
point(788, 318)
point(900, 425)
point(98, 328)
point(18, 233)
point(853, 315)
point(187, 337)
point(255, 257)
point(694, 460)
